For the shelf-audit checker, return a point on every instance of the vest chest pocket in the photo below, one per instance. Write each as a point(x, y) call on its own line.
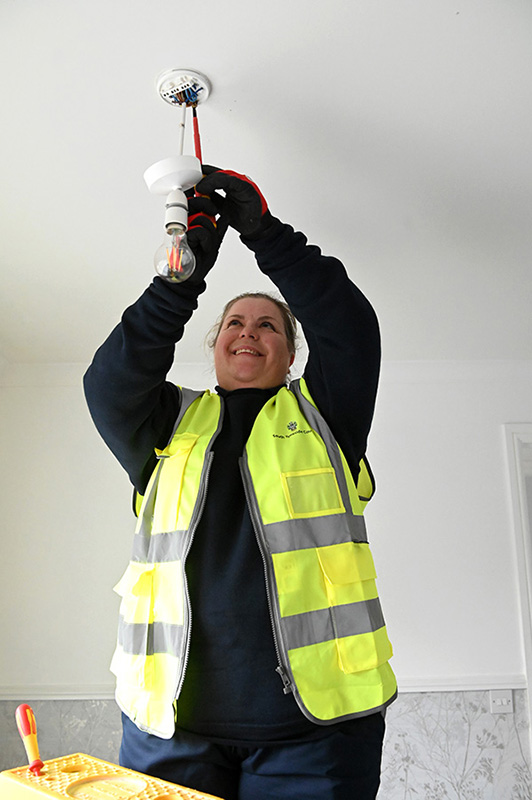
point(360, 633)
point(312, 492)
point(170, 483)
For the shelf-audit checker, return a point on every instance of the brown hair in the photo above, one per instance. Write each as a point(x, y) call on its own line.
point(289, 321)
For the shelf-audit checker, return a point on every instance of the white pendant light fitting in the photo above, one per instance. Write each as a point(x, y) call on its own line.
point(174, 172)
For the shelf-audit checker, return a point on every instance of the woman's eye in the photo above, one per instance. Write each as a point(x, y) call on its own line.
point(268, 324)
point(233, 322)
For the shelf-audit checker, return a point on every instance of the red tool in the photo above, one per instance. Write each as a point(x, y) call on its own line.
point(27, 727)
point(197, 140)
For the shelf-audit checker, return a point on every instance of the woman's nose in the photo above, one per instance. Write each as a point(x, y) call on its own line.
point(247, 331)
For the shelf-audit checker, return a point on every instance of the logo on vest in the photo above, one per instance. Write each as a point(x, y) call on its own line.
point(293, 428)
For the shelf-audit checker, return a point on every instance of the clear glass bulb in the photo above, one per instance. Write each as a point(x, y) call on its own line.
point(174, 260)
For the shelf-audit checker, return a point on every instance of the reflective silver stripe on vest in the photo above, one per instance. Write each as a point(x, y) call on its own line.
point(317, 422)
point(138, 638)
point(159, 547)
point(298, 534)
point(323, 625)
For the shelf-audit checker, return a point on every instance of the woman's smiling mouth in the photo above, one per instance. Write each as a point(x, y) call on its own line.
point(246, 351)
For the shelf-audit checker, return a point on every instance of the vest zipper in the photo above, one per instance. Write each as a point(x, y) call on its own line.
point(268, 577)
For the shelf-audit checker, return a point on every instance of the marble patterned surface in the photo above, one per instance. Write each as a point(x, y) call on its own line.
point(439, 746)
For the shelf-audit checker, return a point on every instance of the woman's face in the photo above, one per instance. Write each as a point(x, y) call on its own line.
point(251, 348)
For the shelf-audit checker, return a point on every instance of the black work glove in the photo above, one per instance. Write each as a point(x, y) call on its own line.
point(205, 234)
point(243, 207)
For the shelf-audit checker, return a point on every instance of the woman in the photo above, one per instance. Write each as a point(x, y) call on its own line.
point(267, 675)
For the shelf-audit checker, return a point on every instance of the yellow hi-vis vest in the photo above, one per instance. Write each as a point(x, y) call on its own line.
point(327, 623)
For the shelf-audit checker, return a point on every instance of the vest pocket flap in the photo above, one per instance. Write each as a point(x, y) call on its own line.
point(136, 590)
point(135, 579)
point(349, 562)
point(179, 445)
point(365, 652)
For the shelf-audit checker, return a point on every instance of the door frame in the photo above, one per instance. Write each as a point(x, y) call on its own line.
point(517, 435)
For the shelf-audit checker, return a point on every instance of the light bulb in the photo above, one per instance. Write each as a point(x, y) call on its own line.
point(174, 260)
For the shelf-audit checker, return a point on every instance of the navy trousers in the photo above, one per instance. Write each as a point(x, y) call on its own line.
point(343, 764)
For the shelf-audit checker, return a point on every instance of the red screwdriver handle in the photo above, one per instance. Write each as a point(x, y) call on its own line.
point(27, 727)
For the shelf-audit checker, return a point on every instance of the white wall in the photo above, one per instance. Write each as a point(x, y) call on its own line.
point(441, 522)
point(440, 527)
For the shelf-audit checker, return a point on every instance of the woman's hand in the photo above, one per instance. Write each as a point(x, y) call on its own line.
point(205, 234)
point(243, 207)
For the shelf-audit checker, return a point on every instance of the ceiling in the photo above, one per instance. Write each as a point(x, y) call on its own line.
point(395, 133)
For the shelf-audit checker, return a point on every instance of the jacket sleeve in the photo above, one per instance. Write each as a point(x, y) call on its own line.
point(132, 405)
point(340, 327)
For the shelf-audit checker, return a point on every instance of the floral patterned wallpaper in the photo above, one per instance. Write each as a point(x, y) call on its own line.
point(449, 746)
point(439, 746)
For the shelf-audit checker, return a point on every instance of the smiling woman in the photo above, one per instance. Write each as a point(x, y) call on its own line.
point(252, 657)
point(251, 347)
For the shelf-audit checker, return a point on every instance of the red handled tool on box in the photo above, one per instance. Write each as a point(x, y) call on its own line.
point(27, 727)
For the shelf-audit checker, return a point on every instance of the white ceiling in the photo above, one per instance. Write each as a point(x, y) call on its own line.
point(395, 133)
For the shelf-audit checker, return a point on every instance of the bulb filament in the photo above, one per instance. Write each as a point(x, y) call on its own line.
point(174, 256)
